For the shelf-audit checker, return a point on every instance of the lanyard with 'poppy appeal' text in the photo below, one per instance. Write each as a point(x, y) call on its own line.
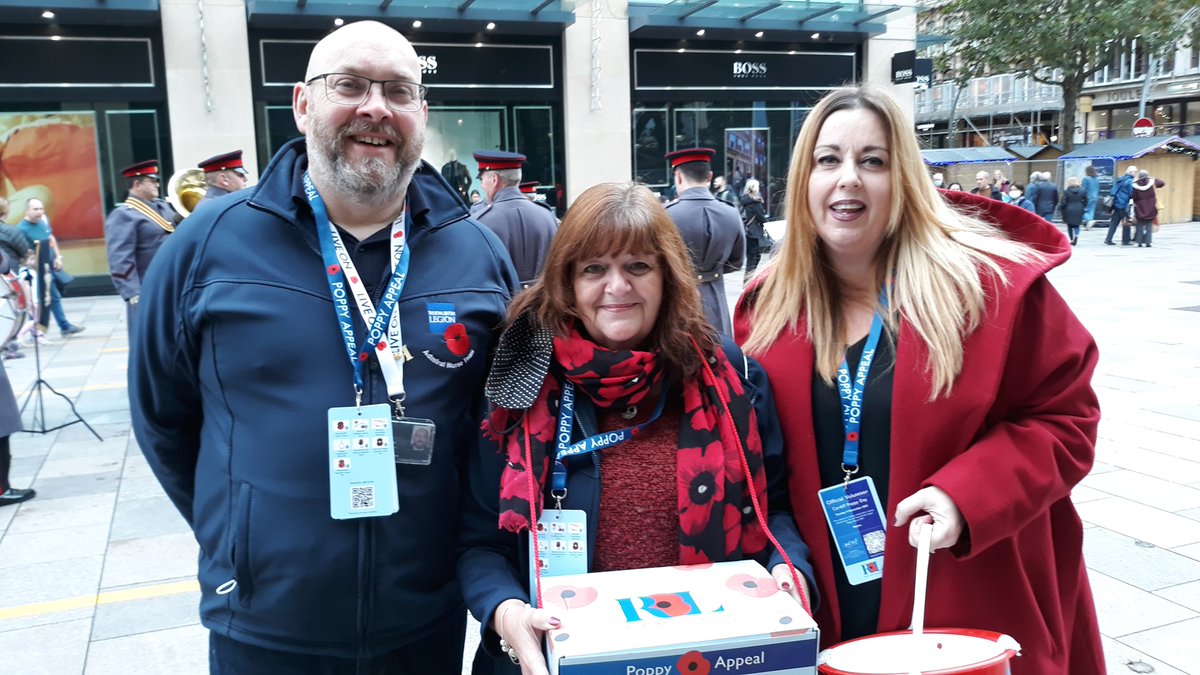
point(852, 510)
point(853, 389)
point(340, 273)
point(566, 419)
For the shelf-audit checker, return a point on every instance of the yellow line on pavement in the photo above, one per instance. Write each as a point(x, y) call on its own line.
point(107, 598)
point(113, 350)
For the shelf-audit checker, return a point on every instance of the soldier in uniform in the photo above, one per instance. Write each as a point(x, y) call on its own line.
point(529, 189)
point(134, 231)
point(711, 229)
point(223, 174)
point(525, 228)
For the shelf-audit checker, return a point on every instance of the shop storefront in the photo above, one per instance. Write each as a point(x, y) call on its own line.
point(482, 95)
point(81, 104)
point(1174, 106)
point(746, 104)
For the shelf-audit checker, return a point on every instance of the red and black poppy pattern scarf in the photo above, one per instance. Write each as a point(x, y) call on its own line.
point(716, 520)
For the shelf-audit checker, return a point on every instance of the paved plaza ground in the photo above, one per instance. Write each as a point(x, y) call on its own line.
point(97, 574)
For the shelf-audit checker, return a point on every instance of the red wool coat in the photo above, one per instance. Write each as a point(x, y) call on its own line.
point(1016, 434)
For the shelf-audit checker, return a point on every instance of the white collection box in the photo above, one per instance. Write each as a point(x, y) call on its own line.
point(691, 620)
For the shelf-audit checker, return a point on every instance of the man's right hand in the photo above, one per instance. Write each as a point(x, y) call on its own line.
point(133, 300)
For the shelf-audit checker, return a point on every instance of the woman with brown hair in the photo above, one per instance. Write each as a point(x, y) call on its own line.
point(609, 382)
point(951, 419)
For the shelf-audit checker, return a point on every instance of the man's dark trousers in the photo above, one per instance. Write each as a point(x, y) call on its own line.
point(1118, 218)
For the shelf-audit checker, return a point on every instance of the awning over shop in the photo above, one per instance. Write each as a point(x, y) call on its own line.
point(75, 12)
point(1031, 151)
point(740, 19)
point(528, 17)
point(951, 156)
point(1132, 148)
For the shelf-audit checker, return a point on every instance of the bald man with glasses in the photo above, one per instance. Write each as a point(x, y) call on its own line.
point(291, 334)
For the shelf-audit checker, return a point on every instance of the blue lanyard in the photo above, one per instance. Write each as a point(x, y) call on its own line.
point(852, 391)
point(566, 420)
point(341, 294)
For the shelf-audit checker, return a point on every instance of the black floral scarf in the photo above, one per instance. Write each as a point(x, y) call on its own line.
point(716, 519)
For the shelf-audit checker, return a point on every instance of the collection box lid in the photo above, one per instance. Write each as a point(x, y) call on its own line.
point(665, 609)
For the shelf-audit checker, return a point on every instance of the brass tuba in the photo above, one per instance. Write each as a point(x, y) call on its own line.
point(185, 190)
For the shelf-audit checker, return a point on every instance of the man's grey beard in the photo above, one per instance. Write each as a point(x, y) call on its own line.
point(373, 181)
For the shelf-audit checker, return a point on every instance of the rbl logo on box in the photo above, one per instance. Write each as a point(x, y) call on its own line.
point(661, 606)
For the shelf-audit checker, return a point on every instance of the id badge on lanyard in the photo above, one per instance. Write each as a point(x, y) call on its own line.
point(852, 509)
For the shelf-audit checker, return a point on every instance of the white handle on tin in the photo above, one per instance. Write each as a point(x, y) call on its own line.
point(924, 535)
point(923, 544)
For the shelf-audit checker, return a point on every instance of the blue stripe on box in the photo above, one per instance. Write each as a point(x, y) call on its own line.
point(791, 657)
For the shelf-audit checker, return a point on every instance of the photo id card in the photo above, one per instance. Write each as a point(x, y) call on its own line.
point(856, 520)
point(562, 543)
point(362, 473)
point(414, 440)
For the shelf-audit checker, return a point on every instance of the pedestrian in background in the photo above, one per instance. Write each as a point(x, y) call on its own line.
point(722, 191)
point(524, 228)
point(711, 228)
point(1000, 182)
point(984, 188)
point(754, 215)
point(10, 415)
point(1091, 188)
point(1016, 195)
point(1046, 199)
point(36, 228)
point(1122, 191)
point(934, 301)
point(1145, 207)
point(1074, 203)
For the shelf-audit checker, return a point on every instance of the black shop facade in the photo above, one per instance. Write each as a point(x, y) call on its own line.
point(482, 96)
point(747, 104)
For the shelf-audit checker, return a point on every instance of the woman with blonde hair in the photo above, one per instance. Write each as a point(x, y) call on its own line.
point(614, 389)
point(754, 215)
point(923, 365)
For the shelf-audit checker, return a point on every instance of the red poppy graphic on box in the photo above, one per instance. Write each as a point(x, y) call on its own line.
point(755, 587)
point(693, 663)
point(570, 597)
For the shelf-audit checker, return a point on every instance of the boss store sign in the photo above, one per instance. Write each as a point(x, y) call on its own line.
point(673, 70)
point(442, 65)
point(908, 69)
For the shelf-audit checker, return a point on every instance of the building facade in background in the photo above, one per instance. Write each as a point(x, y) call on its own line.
point(588, 90)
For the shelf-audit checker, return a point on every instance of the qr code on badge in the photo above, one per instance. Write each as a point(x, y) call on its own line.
point(874, 542)
point(362, 498)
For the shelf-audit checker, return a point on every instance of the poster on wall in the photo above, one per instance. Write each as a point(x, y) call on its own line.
point(746, 157)
point(52, 157)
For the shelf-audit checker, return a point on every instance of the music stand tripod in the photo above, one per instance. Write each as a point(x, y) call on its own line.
point(38, 423)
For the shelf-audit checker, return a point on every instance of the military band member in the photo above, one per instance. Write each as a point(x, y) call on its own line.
point(134, 231)
point(525, 228)
point(223, 174)
point(711, 229)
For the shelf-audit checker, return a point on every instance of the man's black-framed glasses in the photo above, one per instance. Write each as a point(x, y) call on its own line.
point(350, 89)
